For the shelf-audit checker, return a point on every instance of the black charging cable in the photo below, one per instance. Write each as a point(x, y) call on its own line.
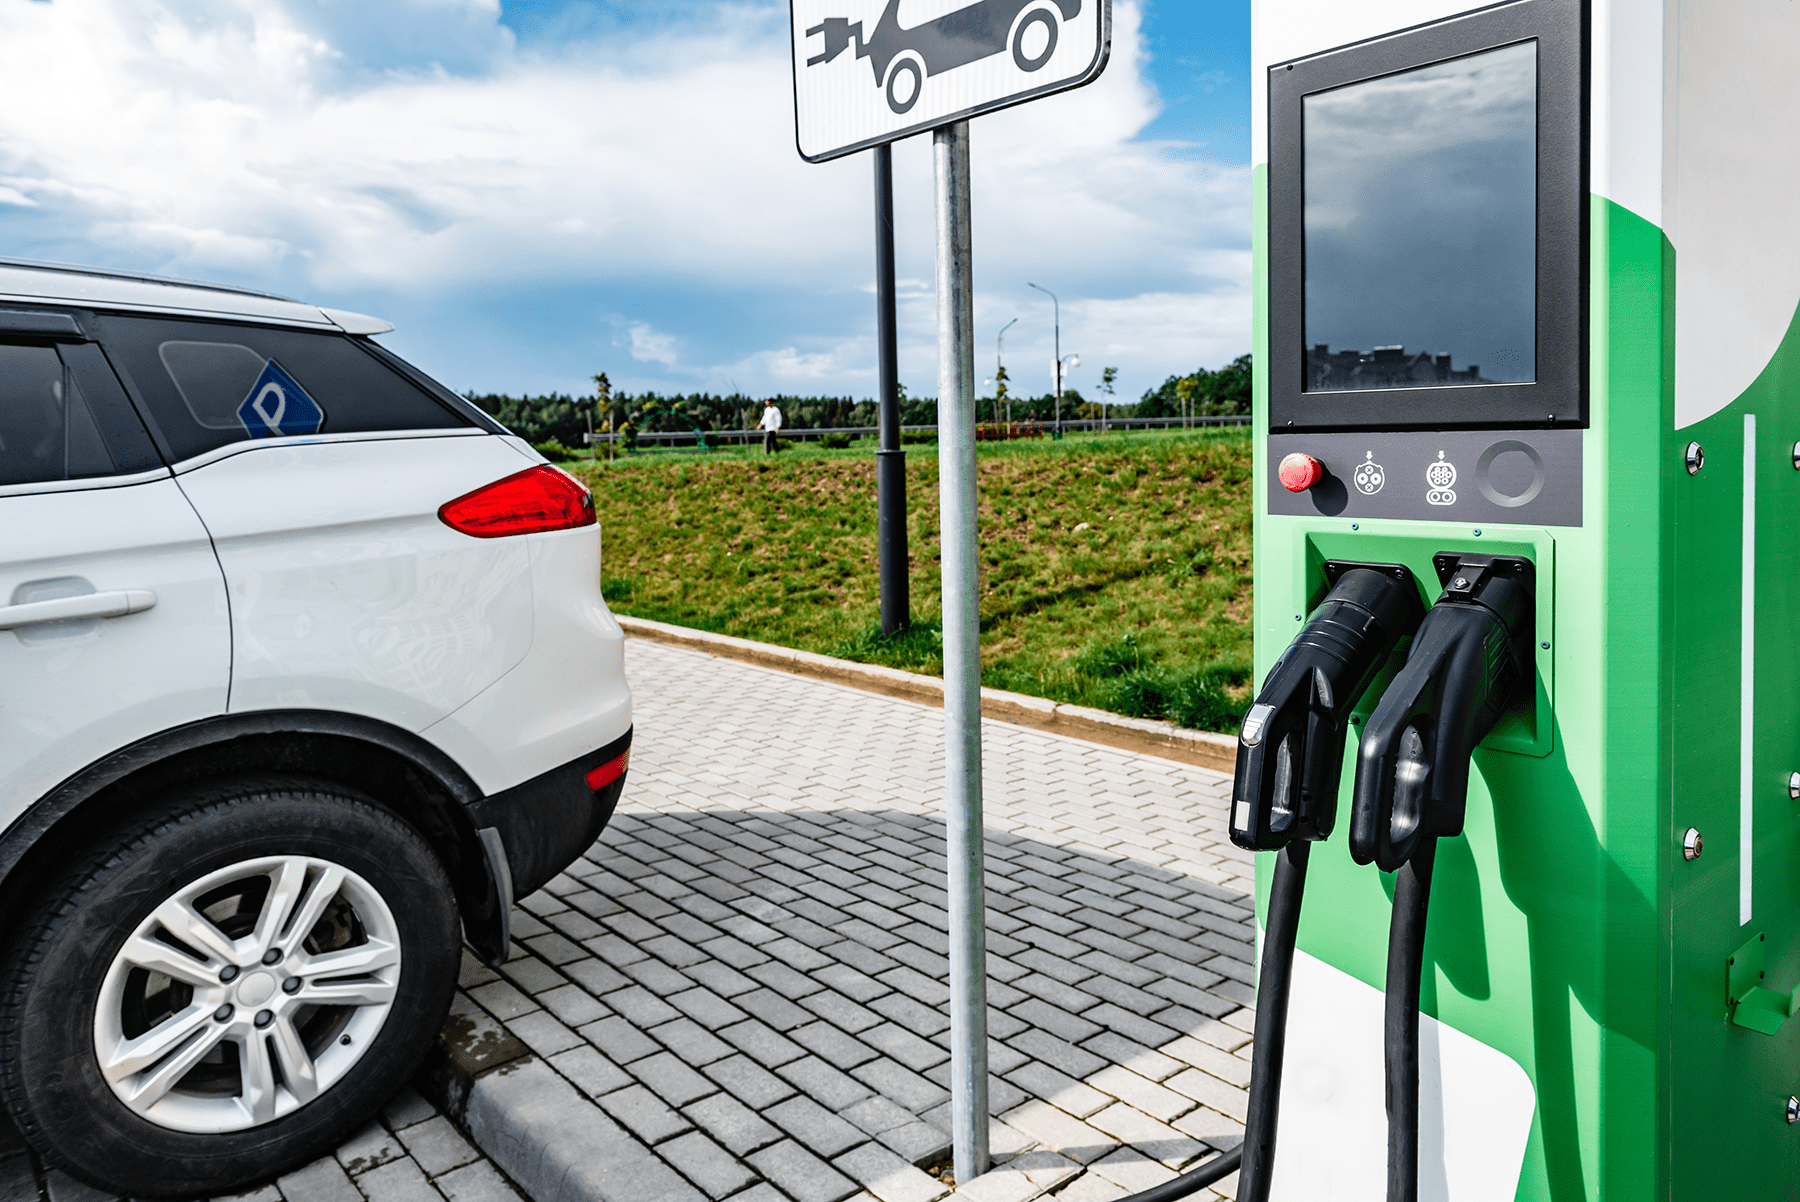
point(1256, 1156)
point(1406, 961)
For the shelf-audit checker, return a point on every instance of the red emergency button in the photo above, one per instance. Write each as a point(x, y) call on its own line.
point(1300, 472)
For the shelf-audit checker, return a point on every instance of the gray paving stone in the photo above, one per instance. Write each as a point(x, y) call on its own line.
point(692, 1045)
point(543, 1034)
point(732, 1123)
point(436, 1146)
point(532, 975)
point(323, 1180)
point(619, 1040)
point(592, 1073)
point(761, 1043)
point(771, 1008)
point(826, 1085)
point(673, 1081)
point(503, 1000)
point(572, 1005)
point(707, 1165)
point(397, 1181)
point(368, 1148)
point(643, 1113)
point(904, 1086)
point(478, 1182)
point(814, 1126)
point(800, 1174)
point(888, 1177)
point(406, 1109)
point(832, 1045)
point(744, 1079)
point(595, 976)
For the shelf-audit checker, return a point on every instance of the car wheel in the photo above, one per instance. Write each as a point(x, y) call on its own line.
point(906, 66)
point(226, 992)
point(1038, 16)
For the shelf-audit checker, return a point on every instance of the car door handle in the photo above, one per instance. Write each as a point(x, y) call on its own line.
point(115, 604)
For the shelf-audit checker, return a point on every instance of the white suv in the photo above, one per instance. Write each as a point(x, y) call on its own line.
point(304, 676)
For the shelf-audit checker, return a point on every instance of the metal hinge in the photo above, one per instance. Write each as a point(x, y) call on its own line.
point(1752, 1005)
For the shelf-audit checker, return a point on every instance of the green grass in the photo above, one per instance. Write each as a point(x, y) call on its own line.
point(1115, 569)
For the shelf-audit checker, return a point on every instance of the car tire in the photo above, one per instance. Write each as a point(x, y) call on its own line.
point(234, 867)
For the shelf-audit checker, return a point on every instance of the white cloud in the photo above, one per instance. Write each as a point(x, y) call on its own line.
point(648, 346)
point(412, 147)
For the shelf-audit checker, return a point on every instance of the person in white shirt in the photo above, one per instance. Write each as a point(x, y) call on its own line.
point(771, 422)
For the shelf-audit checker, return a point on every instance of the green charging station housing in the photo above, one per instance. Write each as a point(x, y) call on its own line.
point(1526, 281)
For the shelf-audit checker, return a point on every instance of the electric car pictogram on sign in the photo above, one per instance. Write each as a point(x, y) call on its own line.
point(904, 58)
point(927, 67)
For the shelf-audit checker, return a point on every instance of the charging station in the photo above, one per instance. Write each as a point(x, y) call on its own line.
point(1527, 608)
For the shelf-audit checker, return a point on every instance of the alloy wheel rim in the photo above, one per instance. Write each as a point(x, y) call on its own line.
point(247, 994)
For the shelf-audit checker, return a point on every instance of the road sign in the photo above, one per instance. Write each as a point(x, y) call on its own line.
point(872, 71)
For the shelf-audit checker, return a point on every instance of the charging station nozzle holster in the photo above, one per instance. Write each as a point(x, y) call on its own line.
point(1291, 746)
point(1470, 656)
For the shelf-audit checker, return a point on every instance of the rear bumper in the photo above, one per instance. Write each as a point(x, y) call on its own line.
point(545, 823)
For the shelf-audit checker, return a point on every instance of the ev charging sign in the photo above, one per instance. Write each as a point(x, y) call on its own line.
point(278, 407)
point(873, 71)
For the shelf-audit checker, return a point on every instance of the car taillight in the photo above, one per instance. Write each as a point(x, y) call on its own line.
point(608, 772)
point(535, 500)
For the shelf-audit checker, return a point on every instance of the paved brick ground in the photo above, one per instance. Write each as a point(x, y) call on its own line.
point(744, 980)
point(412, 1154)
point(747, 974)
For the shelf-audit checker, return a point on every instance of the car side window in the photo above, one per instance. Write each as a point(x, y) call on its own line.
point(64, 417)
point(208, 384)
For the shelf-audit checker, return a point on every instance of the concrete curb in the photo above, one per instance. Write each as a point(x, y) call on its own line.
point(1201, 748)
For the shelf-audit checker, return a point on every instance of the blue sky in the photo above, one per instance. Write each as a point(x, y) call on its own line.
point(535, 190)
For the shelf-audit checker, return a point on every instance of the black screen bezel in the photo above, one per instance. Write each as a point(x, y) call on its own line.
point(1558, 396)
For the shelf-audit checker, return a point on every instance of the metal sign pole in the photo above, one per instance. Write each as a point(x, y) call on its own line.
point(890, 460)
point(962, 654)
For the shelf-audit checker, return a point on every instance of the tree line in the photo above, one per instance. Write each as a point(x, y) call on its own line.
point(565, 419)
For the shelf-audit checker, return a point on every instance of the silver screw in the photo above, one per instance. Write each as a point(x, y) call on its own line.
point(272, 956)
point(1545, 644)
point(345, 1040)
point(228, 974)
point(1794, 786)
point(1696, 458)
point(291, 985)
point(1796, 464)
point(1793, 1110)
point(264, 1018)
point(1478, 532)
point(222, 1014)
point(1797, 456)
point(1692, 844)
point(1460, 582)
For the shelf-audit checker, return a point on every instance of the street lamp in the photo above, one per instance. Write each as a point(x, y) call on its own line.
point(1059, 363)
point(1000, 372)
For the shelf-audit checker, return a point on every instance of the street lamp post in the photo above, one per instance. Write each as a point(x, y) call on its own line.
point(1000, 370)
point(1057, 310)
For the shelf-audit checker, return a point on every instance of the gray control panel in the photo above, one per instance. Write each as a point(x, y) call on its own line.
point(1471, 476)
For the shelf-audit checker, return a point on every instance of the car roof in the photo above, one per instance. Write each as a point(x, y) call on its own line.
point(100, 288)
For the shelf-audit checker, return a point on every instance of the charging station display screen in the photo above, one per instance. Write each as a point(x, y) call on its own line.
point(1420, 226)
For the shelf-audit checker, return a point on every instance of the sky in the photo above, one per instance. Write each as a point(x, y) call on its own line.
point(533, 191)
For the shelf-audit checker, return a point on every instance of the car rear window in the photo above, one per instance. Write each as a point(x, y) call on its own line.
point(207, 384)
point(64, 417)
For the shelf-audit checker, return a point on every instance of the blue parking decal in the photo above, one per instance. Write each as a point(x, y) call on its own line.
point(278, 406)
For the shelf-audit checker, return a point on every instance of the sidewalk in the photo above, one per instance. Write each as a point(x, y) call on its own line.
point(739, 992)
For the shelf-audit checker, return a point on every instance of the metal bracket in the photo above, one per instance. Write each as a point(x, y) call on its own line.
point(1752, 1005)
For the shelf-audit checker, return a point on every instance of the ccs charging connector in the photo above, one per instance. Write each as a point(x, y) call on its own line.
point(1469, 660)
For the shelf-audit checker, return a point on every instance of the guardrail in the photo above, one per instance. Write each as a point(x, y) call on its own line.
point(1019, 430)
